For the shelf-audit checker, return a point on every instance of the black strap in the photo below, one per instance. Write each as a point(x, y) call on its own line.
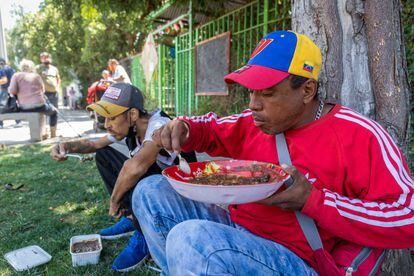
point(306, 223)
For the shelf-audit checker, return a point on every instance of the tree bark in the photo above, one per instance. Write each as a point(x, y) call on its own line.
point(388, 67)
point(338, 29)
point(363, 68)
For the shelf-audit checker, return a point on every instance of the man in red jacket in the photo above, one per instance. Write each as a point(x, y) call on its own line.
point(349, 177)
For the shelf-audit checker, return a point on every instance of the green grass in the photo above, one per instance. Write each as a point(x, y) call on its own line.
point(57, 201)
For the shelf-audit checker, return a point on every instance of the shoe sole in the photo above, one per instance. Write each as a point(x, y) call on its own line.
point(132, 267)
point(117, 236)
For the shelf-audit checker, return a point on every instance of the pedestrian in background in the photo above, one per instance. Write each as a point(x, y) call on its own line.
point(51, 79)
point(73, 98)
point(6, 73)
point(119, 73)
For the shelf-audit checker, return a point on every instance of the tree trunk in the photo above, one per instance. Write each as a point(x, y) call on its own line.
point(388, 67)
point(364, 68)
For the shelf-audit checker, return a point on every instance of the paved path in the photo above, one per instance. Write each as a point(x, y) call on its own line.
point(71, 124)
point(78, 120)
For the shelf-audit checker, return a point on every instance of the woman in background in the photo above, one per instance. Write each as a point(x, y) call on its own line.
point(28, 87)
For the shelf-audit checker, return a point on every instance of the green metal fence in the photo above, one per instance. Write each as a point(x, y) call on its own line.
point(184, 74)
point(151, 92)
point(246, 26)
point(137, 74)
point(166, 78)
point(172, 87)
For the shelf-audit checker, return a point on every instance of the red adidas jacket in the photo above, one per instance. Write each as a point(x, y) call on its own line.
point(362, 188)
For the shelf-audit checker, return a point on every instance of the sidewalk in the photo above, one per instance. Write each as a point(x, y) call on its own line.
point(78, 119)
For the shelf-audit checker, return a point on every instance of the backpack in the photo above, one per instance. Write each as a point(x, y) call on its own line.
point(10, 106)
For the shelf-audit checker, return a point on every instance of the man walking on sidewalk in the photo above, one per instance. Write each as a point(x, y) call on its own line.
point(51, 79)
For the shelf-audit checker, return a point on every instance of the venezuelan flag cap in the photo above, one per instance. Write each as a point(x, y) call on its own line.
point(278, 55)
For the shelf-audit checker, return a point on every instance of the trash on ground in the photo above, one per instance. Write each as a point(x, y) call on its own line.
point(27, 257)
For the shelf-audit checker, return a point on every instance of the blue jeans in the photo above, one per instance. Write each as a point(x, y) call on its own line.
point(186, 237)
point(47, 109)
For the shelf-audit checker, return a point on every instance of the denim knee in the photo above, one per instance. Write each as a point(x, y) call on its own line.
point(188, 238)
point(186, 235)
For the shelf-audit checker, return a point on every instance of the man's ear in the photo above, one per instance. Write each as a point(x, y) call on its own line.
point(310, 89)
point(134, 114)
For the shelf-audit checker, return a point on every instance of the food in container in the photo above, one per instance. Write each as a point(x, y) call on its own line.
point(85, 249)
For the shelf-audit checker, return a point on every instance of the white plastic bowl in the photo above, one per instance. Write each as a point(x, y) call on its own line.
point(85, 258)
point(220, 194)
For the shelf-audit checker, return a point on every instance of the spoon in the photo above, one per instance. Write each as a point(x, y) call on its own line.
point(81, 158)
point(183, 164)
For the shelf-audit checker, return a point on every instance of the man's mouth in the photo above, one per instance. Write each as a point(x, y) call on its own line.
point(258, 123)
point(257, 120)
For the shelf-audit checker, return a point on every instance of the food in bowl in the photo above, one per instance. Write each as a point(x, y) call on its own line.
point(255, 173)
point(227, 181)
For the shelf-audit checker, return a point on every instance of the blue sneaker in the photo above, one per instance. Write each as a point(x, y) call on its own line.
point(133, 255)
point(122, 228)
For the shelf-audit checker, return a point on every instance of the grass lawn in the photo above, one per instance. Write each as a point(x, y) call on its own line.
point(57, 201)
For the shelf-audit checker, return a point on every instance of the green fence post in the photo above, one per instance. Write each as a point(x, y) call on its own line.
point(190, 59)
point(195, 97)
point(176, 79)
point(265, 15)
point(160, 76)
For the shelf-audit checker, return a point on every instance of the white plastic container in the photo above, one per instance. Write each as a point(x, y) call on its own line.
point(27, 257)
point(85, 258)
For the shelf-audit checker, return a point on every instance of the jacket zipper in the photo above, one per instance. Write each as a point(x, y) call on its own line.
point(359, 259)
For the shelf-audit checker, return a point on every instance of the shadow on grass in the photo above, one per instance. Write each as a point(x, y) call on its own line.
point(58, 200)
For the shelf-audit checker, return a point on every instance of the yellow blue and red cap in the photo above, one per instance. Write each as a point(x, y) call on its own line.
point(278, 55)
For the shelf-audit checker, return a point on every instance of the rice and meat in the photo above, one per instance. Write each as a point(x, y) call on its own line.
point(243, 175)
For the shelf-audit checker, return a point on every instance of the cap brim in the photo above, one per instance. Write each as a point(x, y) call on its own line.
point(107, 109)
point(256, 77)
